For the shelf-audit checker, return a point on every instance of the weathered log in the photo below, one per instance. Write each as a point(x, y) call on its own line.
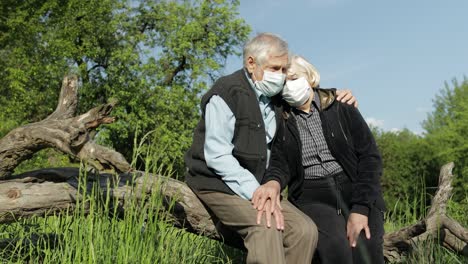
point(48, 191)
point(436, 226)
point(62, 131)
point(51, 190)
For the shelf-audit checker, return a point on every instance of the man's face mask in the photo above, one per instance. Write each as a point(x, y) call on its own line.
point(271, 84)
point(297, 92)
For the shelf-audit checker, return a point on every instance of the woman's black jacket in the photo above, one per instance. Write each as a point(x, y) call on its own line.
point(350, 142)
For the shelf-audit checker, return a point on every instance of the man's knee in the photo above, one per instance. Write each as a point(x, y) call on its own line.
point(306, 230)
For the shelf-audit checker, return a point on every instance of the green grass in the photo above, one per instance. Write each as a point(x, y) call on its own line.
point(97, 232)
point(411, 210)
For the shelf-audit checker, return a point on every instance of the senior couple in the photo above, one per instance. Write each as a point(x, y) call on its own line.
point(268, 126)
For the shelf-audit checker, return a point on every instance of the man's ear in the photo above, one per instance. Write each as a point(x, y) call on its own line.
point(250, 64)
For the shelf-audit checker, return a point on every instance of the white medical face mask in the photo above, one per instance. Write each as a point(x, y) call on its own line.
point(297, 92)
point(272, 83)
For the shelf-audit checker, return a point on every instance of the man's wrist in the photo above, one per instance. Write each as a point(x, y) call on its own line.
point(275, 183)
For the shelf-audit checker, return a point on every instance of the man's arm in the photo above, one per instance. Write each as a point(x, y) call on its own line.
point(278, 168)
point(220, 123)
point(367, 184)
point(268, 196)
point(369, 168)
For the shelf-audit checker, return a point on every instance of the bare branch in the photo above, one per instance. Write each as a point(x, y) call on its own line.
point(68, 100)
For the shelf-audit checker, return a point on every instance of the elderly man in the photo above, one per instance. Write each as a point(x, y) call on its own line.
point(230, 153)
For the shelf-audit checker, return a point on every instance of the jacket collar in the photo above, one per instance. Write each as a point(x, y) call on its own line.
point(325, 98)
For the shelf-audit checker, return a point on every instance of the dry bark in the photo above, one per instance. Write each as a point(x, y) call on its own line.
point(65, 132)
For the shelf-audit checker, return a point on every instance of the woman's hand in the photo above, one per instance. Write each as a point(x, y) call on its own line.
point(356, 223)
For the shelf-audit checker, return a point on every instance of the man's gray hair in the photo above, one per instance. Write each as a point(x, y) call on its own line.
point(263, 45)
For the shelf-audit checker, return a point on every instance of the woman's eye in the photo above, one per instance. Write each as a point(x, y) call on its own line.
point(292, 77)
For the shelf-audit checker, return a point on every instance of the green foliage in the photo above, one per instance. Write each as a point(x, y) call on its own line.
point(46, 158)
point(406, 171)
point(447, 128)
point(457, 210)
point(412, 162)
point(6, 124)
point(154, 57)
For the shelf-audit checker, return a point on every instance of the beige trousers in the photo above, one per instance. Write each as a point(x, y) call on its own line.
point(295, 245)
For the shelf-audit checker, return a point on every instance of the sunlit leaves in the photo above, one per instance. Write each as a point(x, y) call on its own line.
point(155, 57)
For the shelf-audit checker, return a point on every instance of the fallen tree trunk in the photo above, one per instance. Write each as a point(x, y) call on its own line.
point(49, 191)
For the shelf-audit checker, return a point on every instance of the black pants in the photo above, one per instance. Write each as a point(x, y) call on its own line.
point(326, 201)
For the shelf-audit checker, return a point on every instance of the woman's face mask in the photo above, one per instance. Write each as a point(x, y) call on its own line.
point(297, 92)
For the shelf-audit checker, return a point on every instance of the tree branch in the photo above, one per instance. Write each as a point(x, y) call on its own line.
point(181, 63)
point(68, 99)
point(62, 131)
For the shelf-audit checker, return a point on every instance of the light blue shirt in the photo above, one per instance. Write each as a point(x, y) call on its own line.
point(219, 125)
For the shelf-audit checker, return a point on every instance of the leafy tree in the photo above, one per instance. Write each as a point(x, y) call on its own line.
point(446, 134)
point(406, 170)
point(155, 57)
point(412, 162)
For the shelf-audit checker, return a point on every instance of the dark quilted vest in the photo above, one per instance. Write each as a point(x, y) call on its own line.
point(249, 134)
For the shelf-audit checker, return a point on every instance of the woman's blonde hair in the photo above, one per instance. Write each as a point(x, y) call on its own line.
point(312, 75)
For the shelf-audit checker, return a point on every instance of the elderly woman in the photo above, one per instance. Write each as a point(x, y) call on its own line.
point(333, 167)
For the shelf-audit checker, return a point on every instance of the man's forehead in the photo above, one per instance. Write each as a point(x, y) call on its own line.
point(282, 60)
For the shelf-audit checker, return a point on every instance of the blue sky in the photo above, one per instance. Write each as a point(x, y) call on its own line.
point(394, 55)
